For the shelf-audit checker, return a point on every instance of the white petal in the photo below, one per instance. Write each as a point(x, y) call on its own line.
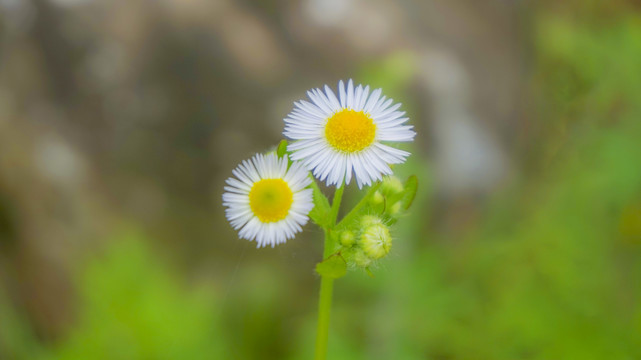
point(350, 94)
point(341, 94)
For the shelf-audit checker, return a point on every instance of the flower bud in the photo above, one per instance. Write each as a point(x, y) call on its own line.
point(395, 209)
point(376, 241)
point(346, 238)
point(369, 220)
point(377, 198)
point(361, 259)
point(392, 185)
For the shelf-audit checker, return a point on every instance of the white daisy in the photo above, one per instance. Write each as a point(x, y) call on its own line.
point(338, 136)
point(267, 201)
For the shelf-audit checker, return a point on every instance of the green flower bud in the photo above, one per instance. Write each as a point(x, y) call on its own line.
point(395, 209)
point(376, 241)
point(346, 238)
point(361, 259)
point(368, 220)
point(377, 198)
point(392, 185)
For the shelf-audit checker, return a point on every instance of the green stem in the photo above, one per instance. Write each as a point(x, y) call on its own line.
point(327, 284)
point(336, 204)
point(324, 309)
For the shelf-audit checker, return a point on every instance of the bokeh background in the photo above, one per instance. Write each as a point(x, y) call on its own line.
point(120, 120)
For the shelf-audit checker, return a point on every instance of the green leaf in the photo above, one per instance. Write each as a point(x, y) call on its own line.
point(281, 150)
point(411, 185)
point(333, 267)
point(321, 213)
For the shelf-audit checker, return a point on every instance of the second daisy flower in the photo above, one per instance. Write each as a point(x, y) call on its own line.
point(267, 201)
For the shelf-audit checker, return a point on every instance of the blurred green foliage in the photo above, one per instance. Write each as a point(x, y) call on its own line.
point(132, 307)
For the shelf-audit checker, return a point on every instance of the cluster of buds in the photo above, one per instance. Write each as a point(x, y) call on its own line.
point(367, 242)
point(387, 200)
point(367, 238)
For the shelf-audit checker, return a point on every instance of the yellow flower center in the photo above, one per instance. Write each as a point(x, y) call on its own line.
point(350, 131)
point(270, 200)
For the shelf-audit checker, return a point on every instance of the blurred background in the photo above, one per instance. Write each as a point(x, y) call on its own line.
point(120, 121)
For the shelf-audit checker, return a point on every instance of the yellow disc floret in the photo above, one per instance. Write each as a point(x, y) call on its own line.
point(350, 131)
point(270, 200)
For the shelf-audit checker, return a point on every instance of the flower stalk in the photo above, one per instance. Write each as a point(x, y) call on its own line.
point(324, 310)
point(327, 283)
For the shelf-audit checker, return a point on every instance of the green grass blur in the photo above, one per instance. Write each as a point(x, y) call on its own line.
point(550, 270)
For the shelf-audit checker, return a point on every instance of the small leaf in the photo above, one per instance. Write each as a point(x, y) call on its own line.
point(281, 150)
point(320, 214)
point(411, 185)
point(333, 267)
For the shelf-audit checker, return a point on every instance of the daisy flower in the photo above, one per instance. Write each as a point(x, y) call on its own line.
point(266, 201)
point(336, 137)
